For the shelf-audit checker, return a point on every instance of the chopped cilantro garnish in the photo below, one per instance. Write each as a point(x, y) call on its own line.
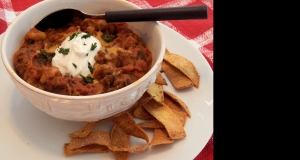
point(94, 45)
point(73, 35)
point(87, 54)
point(46, 55)
point(74, 65)
point(108, 37)
point(86, 36)
point(84, 43)
point(90, 67)
point(63, 51)
point(88, 79)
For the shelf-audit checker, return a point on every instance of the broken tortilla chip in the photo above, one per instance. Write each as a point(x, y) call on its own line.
point(176, 77)
point(184, 65)
point(157, 92)
point(167, 117)
point(160, 136)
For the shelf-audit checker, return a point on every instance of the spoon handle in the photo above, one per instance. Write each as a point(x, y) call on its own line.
point(157, 14)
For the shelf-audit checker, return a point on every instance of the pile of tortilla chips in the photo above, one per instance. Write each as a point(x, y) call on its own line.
point(159, 110)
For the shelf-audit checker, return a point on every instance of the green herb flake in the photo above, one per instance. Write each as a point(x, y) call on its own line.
point(88, 79)
point(87, 54)
point(90, 67)
point(52, 55)
point(74, 65)
point(46, 55)
point(84, 43)
point(94, 45)
point(73, 35)
point(86, 36)
point(108, 37)
point(64, 51)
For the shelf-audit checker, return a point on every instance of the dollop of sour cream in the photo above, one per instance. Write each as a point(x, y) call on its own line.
point(76, 54)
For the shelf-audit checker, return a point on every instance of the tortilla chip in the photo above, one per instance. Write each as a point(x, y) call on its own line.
point(176, 77)
point(156, 91)
point(179, 101)
point(121, 155)
point(151, 124)
point(97, 137)
point(144, 99)
point(181, 116)
point(122, 140)
point(128, 125)
point(170, 102)
point(93, 148)
point(160, 79)
point(167, 117)
point(184, 65)
point(87, 129)
point(160, 136)
point(142, 113)
point(139, 111)
point(167, 51)
point(97, 141)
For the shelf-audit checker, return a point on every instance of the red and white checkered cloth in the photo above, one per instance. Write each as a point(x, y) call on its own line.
point(199, 33)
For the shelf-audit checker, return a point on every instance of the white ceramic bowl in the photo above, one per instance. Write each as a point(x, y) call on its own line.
point(81, 108)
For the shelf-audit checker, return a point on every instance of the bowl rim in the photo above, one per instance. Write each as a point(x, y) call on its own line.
point(14, 75)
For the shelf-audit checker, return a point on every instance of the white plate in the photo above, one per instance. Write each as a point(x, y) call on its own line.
point(27, 133)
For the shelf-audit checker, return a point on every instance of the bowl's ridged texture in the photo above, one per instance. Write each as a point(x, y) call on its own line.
point(84, 110)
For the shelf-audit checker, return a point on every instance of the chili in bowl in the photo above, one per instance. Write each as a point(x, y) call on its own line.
point(88, 70)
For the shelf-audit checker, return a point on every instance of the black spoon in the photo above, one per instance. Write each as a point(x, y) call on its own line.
point(60, 18)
